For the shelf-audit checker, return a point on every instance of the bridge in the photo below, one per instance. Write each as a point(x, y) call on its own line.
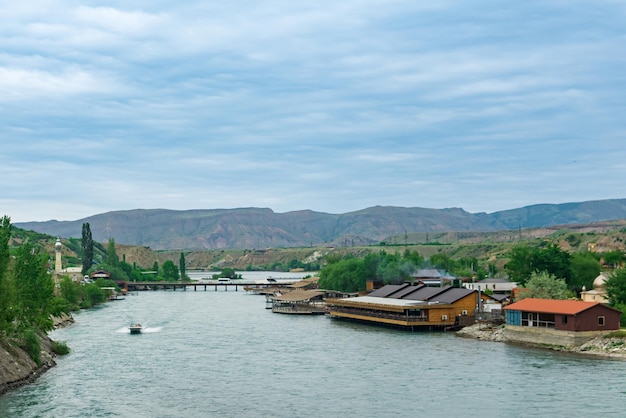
point(205, 285)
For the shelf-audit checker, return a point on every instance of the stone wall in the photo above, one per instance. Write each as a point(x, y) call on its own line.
point(548, 336)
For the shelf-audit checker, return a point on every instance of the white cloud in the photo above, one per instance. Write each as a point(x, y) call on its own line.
point(332, 106)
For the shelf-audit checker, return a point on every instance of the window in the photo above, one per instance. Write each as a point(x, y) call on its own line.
point(564, 319)
point(601, 321)
point(444, 317)
point(464, 312)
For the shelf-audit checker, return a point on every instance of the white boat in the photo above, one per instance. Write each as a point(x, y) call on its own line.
point(135, 328)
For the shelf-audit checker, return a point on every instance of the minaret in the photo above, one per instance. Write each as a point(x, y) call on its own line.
point(57, 263)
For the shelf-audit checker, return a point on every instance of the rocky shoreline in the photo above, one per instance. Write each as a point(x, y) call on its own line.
point(610, 347)
point(18, 369)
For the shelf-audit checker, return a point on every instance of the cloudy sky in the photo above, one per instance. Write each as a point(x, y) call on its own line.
point(333, 106)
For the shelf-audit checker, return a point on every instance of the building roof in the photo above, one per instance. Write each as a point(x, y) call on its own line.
point(401, 294)
point(305, 282)
point(299, 295)
point(453, 294)
point(498, 296)
point(427, 293)
point(383, 301)
point(553, 306)
point(389, 289)
point(494, 280)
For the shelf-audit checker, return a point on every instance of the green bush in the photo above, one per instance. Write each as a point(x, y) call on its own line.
point(32, 346)
point(60, 348)
point(617, 334)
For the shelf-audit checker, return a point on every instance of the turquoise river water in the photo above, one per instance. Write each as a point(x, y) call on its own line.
point(222, 354)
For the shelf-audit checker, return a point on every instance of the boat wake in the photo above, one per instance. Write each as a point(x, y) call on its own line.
point(149, 330)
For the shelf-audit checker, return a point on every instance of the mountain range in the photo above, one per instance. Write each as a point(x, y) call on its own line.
point(162, 229)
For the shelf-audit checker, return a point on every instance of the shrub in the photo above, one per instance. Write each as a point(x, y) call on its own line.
point(32, 346)
point(60, 348)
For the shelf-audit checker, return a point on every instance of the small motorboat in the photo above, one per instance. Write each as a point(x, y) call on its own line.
point(135, 328)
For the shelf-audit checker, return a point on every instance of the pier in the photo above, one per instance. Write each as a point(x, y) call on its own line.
point(206, 285)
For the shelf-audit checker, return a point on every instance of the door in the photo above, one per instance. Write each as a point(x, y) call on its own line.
point(530, 320)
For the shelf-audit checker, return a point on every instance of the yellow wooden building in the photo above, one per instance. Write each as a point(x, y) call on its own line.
point(409, 306)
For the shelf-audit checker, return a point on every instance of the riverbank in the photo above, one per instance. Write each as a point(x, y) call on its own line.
point(604, 346)
point(17, 368)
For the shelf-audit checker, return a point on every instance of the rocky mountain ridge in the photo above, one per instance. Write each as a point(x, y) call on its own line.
point(251, 228)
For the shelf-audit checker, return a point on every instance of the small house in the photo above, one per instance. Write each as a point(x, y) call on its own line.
point(559, 322)
point(496, 285)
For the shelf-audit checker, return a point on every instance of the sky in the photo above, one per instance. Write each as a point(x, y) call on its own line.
point(332, 106)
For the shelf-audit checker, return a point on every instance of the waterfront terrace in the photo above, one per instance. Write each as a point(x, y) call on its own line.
point(409, 306)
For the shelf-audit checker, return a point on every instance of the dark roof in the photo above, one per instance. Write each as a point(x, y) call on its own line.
point(389, 289)
point(499, 296)
point(408, 290)
point(426, 293)
point(453, 294)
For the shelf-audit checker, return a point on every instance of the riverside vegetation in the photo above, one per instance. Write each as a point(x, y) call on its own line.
point(29, 308)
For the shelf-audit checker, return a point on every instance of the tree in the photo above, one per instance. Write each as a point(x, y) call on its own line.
point(87, 247)
point(112, 258)
point(6, 288)
point(34, 289)
point(525, 260)
point(414, 257)
point(585, 268)
point(519, 267)
point(347, 275)
point(69, 291)
point(544, 286)
point(181, 265)
point(553, 260)
point(443, 261)
point(614, 258)
point(93, 296)
point(616, 292)
point(170, 271)
point(616, 287)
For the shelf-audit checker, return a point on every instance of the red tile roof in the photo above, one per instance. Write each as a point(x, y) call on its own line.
point(553, 306)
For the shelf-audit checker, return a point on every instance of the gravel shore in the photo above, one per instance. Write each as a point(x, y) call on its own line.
point(599, 346)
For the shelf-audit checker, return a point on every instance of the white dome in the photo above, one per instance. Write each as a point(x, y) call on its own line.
point(58, 246)
point(599, 283)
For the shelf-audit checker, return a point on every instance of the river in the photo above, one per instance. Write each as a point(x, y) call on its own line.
point(222, 354)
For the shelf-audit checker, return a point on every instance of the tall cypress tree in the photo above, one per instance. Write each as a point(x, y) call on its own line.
point(87, 246)
point(182, 266)
point(112, 259)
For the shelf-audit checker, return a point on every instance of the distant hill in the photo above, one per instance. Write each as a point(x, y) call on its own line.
point(162, 229)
